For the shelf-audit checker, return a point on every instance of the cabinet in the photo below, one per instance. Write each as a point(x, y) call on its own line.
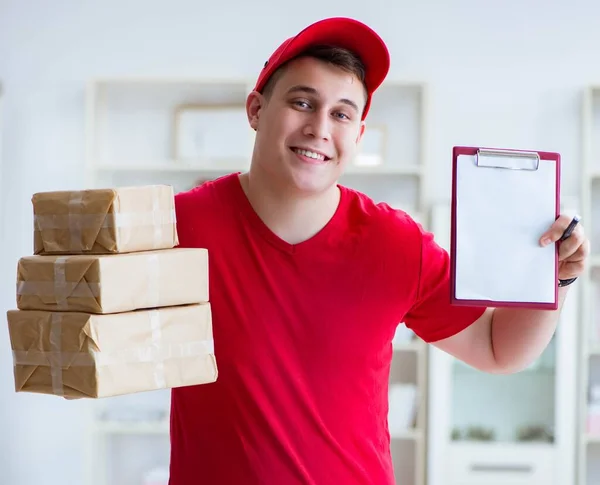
point(185, 131)
point(399, 113)
point(589, 425)
point(501, 464)
point(504, 429)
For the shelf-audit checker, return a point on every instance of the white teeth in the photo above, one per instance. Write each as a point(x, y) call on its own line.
point(309, 154)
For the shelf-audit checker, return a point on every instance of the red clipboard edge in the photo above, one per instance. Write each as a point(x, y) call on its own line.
point(467, 150)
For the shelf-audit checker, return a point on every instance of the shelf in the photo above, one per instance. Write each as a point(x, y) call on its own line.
point(240, 165)
point(415, 346)
point(390, 82)
point(407, 170)
point(158, 428)
point(499, 445)
point(100, 81)
point(591, 439)
point(131, 428)
point(536, 368)
point(231, 165)
point(409, 434)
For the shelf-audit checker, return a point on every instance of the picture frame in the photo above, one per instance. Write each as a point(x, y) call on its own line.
point(209, 135)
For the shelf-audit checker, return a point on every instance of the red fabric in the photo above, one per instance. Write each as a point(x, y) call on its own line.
point(303, 341)
point(342, 32)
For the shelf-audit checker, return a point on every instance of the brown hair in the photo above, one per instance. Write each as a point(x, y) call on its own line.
point(337, 56)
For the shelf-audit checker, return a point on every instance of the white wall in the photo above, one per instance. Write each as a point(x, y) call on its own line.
point(501, 73)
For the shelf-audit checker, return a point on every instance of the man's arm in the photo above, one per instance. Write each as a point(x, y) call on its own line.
point(507, 340)
point(504, 340)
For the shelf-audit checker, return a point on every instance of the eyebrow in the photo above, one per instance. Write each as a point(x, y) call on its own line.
point(307, 89)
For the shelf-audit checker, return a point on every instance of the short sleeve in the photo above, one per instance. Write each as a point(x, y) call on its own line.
point(432, 317)
point(183, 213)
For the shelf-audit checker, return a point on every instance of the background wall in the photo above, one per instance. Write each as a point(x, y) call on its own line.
point(501, 74)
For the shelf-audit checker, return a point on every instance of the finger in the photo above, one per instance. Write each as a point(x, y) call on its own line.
point(580, 253)
point(571, 245)
point(556, 230)
point(571, 270)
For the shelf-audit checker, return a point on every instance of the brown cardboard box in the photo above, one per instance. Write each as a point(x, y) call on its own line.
point(77, 355)
point(111, 283)
point(101, 221)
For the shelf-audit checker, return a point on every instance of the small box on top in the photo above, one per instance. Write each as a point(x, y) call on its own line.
point(104, 221)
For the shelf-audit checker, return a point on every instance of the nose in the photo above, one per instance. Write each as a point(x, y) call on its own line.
point(318, 125)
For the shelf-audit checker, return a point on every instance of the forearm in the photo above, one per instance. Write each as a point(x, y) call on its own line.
point(519, 336)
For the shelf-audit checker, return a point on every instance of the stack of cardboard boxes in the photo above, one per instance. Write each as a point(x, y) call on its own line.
point(107, 304)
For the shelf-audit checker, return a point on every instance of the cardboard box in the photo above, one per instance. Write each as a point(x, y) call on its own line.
point(78, 355)
point(111, 283)
point(104, 221)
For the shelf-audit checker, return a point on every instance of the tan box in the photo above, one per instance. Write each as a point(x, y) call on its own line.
point(104, 221)
point(111, 283)
point(77, 355)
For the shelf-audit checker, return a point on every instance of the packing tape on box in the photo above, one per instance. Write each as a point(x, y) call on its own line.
point(147, 353)
point(76, 222)
point(59, 287)
point(60, 279)
point(158, 228)
point(62, 290)
point(153, 266)
point(76, 231)
point(155, 352)
point(54, 357)
point(159, 370)
point(80, 289)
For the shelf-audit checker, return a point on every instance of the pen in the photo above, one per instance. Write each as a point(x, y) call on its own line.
point(570, 228)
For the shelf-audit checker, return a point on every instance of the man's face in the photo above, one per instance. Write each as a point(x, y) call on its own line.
point(309, 127)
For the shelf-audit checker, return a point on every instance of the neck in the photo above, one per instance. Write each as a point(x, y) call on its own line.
point(294, 217)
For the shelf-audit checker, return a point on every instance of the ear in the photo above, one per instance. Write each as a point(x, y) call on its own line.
point(361, 132)
point(254, 102)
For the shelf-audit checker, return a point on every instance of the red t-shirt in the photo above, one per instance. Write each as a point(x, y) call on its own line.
point(303, 341)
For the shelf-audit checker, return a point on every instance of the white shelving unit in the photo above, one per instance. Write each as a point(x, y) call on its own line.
point(1, 140)
point(136, 127)
point(145, 131)
point(463, 399)
point(401, 109)
point(589, 426)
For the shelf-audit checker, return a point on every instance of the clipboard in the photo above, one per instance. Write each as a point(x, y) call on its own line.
point(502, 202)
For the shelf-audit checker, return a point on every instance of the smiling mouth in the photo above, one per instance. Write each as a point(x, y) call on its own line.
point(319, 157)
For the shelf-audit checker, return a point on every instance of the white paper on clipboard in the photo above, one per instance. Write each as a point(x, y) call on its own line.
point(503, 205)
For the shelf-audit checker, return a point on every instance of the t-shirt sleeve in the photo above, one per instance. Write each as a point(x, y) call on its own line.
point(432, 316)
point(188, 216)
point(182, 213)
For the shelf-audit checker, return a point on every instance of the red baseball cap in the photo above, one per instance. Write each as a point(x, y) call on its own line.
point(342, 32)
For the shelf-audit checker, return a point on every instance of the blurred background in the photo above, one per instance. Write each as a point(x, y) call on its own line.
point(97, 94)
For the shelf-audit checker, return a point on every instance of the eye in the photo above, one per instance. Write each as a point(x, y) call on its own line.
point(301, 104)
point(341, 115)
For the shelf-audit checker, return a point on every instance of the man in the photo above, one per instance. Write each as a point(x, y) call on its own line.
point(309, 281)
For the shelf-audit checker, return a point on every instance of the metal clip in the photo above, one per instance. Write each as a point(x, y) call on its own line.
point(507, 154)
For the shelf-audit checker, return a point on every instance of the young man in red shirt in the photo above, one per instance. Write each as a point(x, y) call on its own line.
point(309, 281)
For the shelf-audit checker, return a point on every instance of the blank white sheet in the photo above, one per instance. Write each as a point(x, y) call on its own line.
point(500, 217)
